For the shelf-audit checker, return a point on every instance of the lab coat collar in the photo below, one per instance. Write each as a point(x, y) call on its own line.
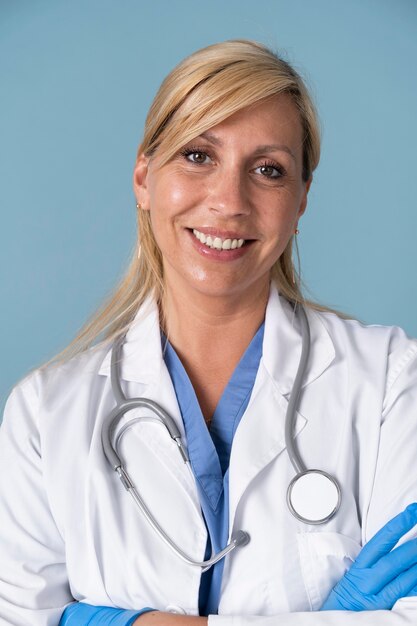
point(282, 344)
point(260, 437)
point(142, 362)
point(142, 358)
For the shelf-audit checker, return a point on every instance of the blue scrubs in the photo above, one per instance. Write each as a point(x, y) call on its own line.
point(209, 454)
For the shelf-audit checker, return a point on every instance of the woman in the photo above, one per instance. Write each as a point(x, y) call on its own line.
point(212, 311)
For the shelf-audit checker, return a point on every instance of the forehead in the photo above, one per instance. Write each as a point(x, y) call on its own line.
point(276, 118)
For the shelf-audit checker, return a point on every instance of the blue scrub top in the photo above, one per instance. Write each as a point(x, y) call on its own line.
point(209, 453)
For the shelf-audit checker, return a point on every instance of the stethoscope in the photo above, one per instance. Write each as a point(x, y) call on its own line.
point(313, 496)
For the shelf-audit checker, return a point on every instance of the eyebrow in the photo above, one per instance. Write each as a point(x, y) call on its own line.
point(267, 147)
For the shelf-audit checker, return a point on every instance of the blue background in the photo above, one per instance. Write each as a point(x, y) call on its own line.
point(76, 80)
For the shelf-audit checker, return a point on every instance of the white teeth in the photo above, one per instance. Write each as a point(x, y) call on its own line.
point(217, 243)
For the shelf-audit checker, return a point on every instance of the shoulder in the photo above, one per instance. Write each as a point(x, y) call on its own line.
point(83, 378)
point(373, 345)
point(57, 383)
point(355, 334)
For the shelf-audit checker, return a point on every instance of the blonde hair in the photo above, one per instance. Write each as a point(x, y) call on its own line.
point(200, 92)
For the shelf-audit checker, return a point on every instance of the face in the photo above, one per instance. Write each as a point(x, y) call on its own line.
point(225, 206)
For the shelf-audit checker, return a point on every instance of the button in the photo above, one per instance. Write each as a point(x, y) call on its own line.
point(173, 608)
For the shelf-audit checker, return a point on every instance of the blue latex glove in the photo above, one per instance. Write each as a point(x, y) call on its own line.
point(81, 614)
point(380, 575)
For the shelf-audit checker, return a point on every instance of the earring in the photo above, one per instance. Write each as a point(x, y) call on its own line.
point(296, 232)
point(138, 207)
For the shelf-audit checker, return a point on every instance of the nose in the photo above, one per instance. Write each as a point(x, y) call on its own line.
point(228, 194)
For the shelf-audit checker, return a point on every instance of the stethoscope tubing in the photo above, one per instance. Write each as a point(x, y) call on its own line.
point(294, 398)
point(290, 442)
point(123, 405)
point(111, 452)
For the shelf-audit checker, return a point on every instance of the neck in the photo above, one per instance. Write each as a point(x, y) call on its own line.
point(204, 324)
point(210, 335)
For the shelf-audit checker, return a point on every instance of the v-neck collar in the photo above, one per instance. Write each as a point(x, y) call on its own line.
point(209, 452)
point(235, 399)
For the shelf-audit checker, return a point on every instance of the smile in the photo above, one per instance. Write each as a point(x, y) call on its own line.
point(216, 242)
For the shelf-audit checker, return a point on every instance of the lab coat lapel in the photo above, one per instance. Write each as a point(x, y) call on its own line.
point(143, 373)
point(281, 349)
point(141, 358)
point(260, 436)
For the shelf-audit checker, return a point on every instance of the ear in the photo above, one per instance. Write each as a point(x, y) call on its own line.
point(303, 203)
point(140, 181)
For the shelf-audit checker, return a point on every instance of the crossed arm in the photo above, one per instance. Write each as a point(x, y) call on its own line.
point(381, 575)
point(155, 618)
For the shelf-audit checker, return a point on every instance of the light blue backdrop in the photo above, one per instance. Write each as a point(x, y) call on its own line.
point(76, 79)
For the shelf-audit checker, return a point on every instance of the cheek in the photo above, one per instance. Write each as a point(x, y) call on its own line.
point(171, 198)
point(178, 194)
point(172, 193)
point(279, 224)
point(278, 232)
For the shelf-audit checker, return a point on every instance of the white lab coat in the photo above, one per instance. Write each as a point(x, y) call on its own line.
point(70, 531)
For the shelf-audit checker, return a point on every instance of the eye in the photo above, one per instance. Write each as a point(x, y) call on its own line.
point(271, 170)
point(195, 155)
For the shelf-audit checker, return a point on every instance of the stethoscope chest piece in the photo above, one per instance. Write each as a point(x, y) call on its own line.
point(313, 497)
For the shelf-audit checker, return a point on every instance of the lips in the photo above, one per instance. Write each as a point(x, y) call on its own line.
point(219, 248)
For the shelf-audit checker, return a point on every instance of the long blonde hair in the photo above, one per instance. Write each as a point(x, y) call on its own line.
point(200, 92)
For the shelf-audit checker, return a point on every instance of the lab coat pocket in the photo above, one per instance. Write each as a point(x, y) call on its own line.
point(324, 557)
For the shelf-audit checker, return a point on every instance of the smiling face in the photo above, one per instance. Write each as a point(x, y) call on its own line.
point(225, 206)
